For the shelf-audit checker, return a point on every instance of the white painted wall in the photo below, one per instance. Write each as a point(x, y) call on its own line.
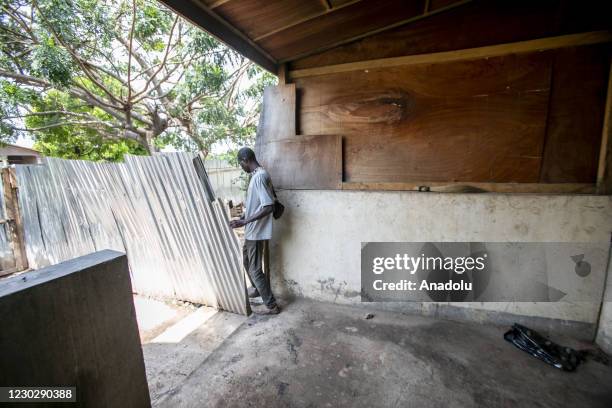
point(225, 180)
point(316, 246)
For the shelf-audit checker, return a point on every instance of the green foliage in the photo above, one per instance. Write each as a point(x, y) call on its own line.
point(70, 145)
point(11, 96)
point(91, 79)
point(52, 63)
point(75, 142)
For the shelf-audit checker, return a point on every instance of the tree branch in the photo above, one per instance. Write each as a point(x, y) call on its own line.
point(163, 63)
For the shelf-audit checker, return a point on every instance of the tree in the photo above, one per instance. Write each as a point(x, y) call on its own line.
point(92, 79)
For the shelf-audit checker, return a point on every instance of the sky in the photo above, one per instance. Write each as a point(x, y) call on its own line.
point(25, 141)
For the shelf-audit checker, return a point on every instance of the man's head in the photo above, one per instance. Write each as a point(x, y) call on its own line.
point(247, 160)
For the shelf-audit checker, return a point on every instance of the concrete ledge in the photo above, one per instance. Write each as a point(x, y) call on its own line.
point(74, 324)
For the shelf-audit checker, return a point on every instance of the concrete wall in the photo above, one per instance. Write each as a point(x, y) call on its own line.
point(225, 180)
point(316, 246)
point(604, 332)
point(74, 324)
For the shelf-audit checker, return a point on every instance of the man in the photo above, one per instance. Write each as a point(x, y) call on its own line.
point(257, 222)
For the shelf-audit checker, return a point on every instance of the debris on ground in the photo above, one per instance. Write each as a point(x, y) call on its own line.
point(369, 316)
point(540, 347)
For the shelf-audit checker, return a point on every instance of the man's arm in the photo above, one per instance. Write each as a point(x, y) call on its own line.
point(259, 214)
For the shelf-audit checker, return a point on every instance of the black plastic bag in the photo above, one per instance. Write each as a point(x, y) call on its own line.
point(541, 348)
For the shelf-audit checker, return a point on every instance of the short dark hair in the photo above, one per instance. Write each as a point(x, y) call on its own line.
point(246, 154)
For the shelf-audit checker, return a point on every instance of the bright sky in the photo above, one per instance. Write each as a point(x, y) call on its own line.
point(25, 141)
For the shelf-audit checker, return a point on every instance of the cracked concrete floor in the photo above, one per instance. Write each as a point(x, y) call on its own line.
point(324, 355)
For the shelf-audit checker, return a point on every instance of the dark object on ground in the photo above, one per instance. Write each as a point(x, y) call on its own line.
point(540, 347)
point(369, 316)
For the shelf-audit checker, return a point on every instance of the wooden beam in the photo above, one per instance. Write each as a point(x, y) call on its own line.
point(367, 33)
point(308, 18)
point(571, 40)
point(217, 3)
point(206, 19)
point(462, 187)
point(16, 234)
point(282, 74)
point(604, 171)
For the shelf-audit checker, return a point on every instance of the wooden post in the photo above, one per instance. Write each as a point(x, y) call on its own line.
point(604, 171)
point(13, 218)
point(282, 74)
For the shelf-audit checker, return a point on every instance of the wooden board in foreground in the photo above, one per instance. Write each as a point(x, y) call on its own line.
point(305, 162)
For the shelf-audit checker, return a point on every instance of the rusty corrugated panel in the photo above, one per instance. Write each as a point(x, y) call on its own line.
point(153, 208)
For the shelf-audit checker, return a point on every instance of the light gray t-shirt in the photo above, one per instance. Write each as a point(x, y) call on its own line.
point(259, 195)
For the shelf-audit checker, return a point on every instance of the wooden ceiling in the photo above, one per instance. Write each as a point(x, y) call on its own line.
point(272, 32)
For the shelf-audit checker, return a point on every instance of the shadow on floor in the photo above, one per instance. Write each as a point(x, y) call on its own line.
point(177, 339)
point(324, 355)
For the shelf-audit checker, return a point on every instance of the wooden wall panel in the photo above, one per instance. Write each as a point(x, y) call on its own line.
point(576, 112)
point(479, 121)
point(305, 162)
point(604, 168)
point(476, 24)
point(278, 117)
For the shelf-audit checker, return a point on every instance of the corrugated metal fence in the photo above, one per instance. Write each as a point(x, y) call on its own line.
point(155, 209)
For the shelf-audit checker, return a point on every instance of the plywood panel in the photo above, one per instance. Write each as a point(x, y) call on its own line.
point(475, 24)
point(479, 121)
point(604, 168)
point(258, 17)
point(305, 162)
point(339, 25)
point(576, 112)
point(277, 118)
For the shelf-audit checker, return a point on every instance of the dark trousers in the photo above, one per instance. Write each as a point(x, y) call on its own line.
point(252, 257)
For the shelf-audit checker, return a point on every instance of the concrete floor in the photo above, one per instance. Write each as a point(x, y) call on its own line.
point(177, 338)
point(324, 355)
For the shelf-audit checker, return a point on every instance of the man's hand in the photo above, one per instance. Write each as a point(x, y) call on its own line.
point(237, 223)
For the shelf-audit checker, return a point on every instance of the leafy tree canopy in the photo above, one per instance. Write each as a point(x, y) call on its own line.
point(94, 80)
